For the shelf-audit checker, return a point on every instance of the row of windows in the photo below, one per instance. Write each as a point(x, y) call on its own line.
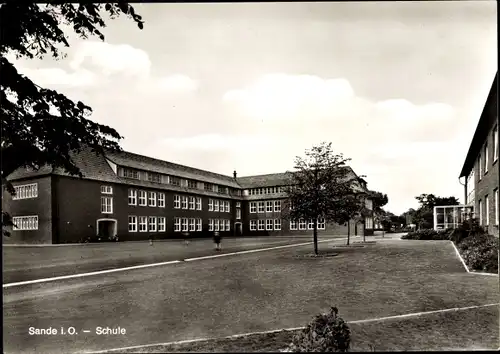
point(266, 190)
point(486, 220)
point(486, 153)
point(26, 191)
point(265, 207)
point(267, 224)
point(304, 225)
point(152, 199)
point(147, 223)
point(216, 205)
point(219, 225)
point(25, 223)
point(175, 181)
point(185, 202)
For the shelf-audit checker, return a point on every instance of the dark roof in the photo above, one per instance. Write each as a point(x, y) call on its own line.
point(269, 180)
point(486, 121)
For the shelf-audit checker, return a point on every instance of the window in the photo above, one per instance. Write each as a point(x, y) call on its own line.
point(106, 190)
point(132, 223)
point(221, 190)
point(228, 225)
point(142, 198)
point(496, 206)
point(302, 224)
point(293, 224)
point(154, 177)
point(210, 205)
point(216, 205)
point(269, 207)
point(261, 207)
point(210, 224)
point(26, 191)
point(321, 223)
point(261, 225)
point(216, 225)
point(192, 224)
point(162, 225)
point(214, 188)
point(369, 223)
point(177, 224)
point(152, 223)
point(192, 184)
point(175, 181)
point(486, 155)
point(480, 167)
point(25, 223)
point(277, 206)
point(107, 205)
point(161, 200)
point(208, 186)
point(198, 203)
point(269, 224)
point(495, 144)
point(184, 201)
point(143, 223)
point(152, 199)
point(253, 207)
point(310, 225)
point(198, 224)
point(132, 197)
point(130, 173)
point(487, 209)
point(191, 203)
point(238, 204)
point(253, 225)
point(177, 201)
point(480, 212)
point(238, 214)
point(277, 224)
point(227, 207)
point(184, 224)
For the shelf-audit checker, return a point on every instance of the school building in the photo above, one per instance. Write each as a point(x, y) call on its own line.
point(136, 197)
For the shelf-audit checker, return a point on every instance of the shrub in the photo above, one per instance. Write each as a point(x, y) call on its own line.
point(480, 252)
point(326, 333)
point(428, 234)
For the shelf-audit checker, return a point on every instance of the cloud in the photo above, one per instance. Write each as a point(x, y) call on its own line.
point(59, 77)
point(177, 83)
point(218, 142)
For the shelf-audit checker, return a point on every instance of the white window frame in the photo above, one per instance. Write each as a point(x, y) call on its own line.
point(192, 203)
point(253, 207)
point(261, 207)
point(302, 224)
point(486, 157)
point(210, 224)
point(238, 214)
point(192, 224)
point(277, 224)
point(26, 191)
point(106, 189)
point(216, 225)
point(143, 224)
point(269, 206)
point(277, 206)
point(152, 199)
point(184, 202)
point(177, 201)
point(238, 204)
point(132, 197)
point(162, 224)
point(210, 204)
point(184, 225)
point(228, 225)
point(480, 212)
point(496, 206)
point(106, 205)
point(143, 198)
point(293, 224)
point(310, 225)
point(321, 224)
point(269, 224)
point(487, 209)
point(227, 207)
point(161, 200)
point(25, 223)
point(216, 206)
point(495, 144)
point(132, 223)
point(152, 223)
point(199, 224)
point(198, 203)
point(480, 167)
point(253, 225)
point(177, 224)
point(261, 225)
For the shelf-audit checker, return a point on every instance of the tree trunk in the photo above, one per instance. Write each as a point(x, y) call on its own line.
point(364, 232)
point(348, 231)
point(315, 236)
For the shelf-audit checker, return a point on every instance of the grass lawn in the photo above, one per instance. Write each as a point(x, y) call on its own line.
point(252, 292)
point(443, 331)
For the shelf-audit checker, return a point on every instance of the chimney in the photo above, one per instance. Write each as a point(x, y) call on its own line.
point(234, 174)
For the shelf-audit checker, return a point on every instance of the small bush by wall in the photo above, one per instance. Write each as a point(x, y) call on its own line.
point(427, 234)
point(326, 333)
point(480, 252)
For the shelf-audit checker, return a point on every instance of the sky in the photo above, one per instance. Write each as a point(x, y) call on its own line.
point(397, 87)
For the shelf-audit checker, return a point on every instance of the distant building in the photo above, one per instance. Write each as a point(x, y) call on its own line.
point(138, 197)
point(480, 168)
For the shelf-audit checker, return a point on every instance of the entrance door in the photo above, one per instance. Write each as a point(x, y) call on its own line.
point(239, 229)
point(106, 228)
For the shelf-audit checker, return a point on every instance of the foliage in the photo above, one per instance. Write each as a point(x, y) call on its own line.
point(42, 126)
point(427, 234)
point(480, 252)
point(423, 217)
point(322, 186)
point(326, 333)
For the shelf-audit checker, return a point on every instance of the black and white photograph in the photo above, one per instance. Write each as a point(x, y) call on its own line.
point(249, 177)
